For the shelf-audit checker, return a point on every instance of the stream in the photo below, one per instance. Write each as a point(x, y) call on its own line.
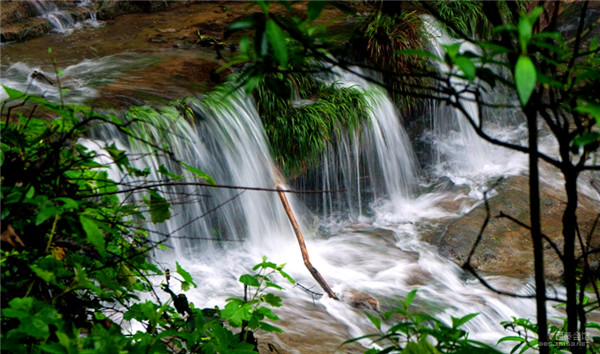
point(367, 241)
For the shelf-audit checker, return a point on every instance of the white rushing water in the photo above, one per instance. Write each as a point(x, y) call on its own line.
point(64, 22)
point(219, 234)
point(81, 82)
point(366, 240)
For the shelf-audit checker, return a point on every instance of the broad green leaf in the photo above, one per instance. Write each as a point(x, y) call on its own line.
point(376, 321)
point(314, 9)
point(69, 204)
point(199, 173)
point(586, 139)
point(451, 49)
point(525, 30)
point(264, 5)
point(93, 233)
point(185, 275)
point(236, 312)
point(270, 328)
point(511, 338)
point(245, 45)
point(159, 207)
point(45, 275)
point(466, 66)
point(272, 300)
point(457, 322)
point(249, 280)
point(409, 297)
point(163, 171)
point(590, 108)
point(242, 24)
point(525, 78)
point(534, 14)
point(46, 213)
point(594, 44)
point(418, 52)
point(277, 42)
point(30, 193)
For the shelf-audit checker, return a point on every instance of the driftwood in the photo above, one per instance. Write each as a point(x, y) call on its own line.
point(300, 238)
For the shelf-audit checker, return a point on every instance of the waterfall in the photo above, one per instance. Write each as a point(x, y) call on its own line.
point(460, 153)
point(227, 141)
point(374, 165)
point(217, 234)
point(61, 21)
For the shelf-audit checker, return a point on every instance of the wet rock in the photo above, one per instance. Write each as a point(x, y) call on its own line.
point(16, 11)
point(506, 247)
point(360, 300)
point(20, 31)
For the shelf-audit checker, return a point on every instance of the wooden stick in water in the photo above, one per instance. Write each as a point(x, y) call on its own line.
point(300, 238)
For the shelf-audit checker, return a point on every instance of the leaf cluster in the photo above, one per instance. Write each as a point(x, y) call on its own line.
point(417, 332)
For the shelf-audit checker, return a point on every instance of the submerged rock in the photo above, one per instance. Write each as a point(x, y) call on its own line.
point(360, 300)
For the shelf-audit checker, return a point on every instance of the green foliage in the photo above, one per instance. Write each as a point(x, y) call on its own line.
point(421, 333)
point(250, 312)
point(300, 133)
point(560, 340)
point(467, 17)
point(74, 261)
point(388, 41)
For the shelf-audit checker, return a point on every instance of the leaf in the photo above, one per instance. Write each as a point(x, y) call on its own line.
point(272, 300)
point(525, 78)
point(245, 45)
point(30, 193)
point(586, 139)
point(199, 173)
point(93, 234)
point(45, 275)
point(270, 328)
point(409, 298)
point(163, 171)
point(45, 214)
point(376, 321)
point(159, 207)
point(591, 108)
point(525, 29)
point(466, 66)
point(511, 338)
point(249, 280)
point(185, 275)
point(237, 311)
point(314, 9)
point(534, 14)
point(277, 42)
point(451, 49)
point(457, 322)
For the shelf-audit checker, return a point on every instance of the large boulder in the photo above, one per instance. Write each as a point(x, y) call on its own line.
point(506, 247)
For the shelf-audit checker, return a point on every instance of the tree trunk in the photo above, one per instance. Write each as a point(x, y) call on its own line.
point(536, 229)
point(569, 261)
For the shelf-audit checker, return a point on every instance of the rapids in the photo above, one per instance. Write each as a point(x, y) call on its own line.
point(367, 239)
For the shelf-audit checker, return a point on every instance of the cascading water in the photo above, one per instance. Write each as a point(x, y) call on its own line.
point(376, 163)
point(218, 234)
point(379, 256)
point(61, 21)
point(461, 154)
